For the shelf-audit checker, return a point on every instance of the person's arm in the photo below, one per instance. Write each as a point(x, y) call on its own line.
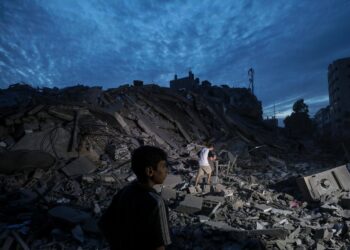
point(160, 248)
point(159, 227)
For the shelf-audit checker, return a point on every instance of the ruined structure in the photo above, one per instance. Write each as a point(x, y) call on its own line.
point(65, 152)
point(188, 83)
point(339, 92)
point(323, 121)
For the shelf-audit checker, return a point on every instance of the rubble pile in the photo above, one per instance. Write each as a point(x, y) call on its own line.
point(65, 153)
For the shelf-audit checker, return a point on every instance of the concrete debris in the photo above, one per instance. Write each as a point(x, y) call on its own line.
point(190, 205)
point(65, 153)
point(263, 207)
point(68, 214)
point(168, 194)
point(24, 160)
point(78, 167)
point(326, 183)
point(172, 180)
point(118, 152)
point(54, 141)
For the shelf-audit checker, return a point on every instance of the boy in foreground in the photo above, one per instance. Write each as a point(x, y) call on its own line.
point(137, 217)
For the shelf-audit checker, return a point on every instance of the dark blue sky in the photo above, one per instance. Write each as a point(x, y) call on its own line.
point(108, 43)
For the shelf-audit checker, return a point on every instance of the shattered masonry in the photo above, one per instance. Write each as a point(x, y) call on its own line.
point(64, 154)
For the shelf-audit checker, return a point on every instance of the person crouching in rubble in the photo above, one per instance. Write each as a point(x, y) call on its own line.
point(204, 166)
point(138, 217)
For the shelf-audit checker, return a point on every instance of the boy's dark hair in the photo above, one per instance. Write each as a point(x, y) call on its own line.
point(146, 156)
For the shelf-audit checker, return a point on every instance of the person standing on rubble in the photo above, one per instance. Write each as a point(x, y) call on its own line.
point(138, 217)
point(204, 166)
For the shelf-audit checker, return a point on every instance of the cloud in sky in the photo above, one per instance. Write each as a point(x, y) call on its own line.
point(108, 43)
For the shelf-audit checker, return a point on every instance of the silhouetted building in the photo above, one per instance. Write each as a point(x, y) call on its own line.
point(323, 121)
point(187, 83)
point(271, 122)
point(138, 83)
point(339, 96)
point(206, 83)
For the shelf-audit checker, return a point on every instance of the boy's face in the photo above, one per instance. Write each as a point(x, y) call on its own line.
point(159, 174)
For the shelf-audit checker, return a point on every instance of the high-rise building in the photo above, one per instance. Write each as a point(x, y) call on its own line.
point(339, 96)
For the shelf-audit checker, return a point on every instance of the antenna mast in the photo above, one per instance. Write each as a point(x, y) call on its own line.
point(251, 80)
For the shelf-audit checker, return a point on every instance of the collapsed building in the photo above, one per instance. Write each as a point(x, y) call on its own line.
point(64, 153)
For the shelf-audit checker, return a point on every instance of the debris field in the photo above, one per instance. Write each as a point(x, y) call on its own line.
point(64, 153)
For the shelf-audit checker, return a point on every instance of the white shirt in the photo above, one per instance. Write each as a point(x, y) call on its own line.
point(203, 157)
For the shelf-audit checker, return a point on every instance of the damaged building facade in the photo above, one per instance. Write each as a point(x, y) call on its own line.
point(339, 92)
point(188, 83)
point(65, 152)
point(334, 120)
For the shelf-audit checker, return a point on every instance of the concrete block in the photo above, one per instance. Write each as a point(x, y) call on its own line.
point(206, 189)
point(263, 207)
point(168, 194)
point(108, 179)
point(131, 178)
point(227, 192)
point(69, 214)
point(237, 205)
point(172, 180)
point(210, 206)
point(345, 202)
point(192, 190)
point(23, 160)
point(323, 234)
point(191, 204)
point(52, 141)
point(319, 246)
point(88, 179)
point(215, 198)
point(281, 211)
point(122, 122)
point(78, 234)
point(218, 188)
point(158, 188)
point(315, 186)
point(79, 166)
point(203, 218)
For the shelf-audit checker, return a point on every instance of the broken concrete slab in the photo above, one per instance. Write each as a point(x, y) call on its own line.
point(241, 234)
point(122, 123)
point(192, 190)
point(54, 141)
point(61, 115)
point(191, 204)
point(78, 233)
point(345, 202)
point(206, 189)
point(168, 194)
point(69, 214)
point(263, 207)
point(211, 204)
point(22, 160)
point(323, 234)
point(150, 132)
point(315, 186)
point(78, 167)
point(172, 180)
point(118, 152)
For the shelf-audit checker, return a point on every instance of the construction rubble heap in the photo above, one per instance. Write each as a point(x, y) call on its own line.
point(64, 153)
